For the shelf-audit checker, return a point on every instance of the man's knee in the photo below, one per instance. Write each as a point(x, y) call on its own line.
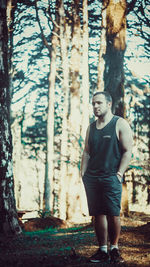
point(113, 218)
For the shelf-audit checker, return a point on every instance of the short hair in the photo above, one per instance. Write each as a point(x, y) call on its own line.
point(106, 94)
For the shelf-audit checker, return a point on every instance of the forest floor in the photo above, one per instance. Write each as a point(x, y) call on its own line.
point(73, 246)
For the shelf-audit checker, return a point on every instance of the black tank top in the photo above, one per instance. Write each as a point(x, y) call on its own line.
point(105, 150)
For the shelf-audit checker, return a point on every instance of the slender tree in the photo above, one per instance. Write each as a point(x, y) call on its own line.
point(17, 154)
point(74, 112)
point(64, 31)
point(8, 214)
point(102, 51)
point(85, 71)
point(84, 91)
point(49, 171)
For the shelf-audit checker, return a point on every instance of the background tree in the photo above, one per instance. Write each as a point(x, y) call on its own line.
point(68, 69)
point(9, 219)
point(85, 71)
point(114, 25)
point(111, 60)
point(63, 180)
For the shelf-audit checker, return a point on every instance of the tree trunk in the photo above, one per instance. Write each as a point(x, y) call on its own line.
point(11, 7)
point(102, 51)
point(17, 154)
point(73, 199)
point(85, 72)
point(114, 57)
point(84, 93)
point(111, 55)
point(49, 166)
point(8, 215)
point(64, 136)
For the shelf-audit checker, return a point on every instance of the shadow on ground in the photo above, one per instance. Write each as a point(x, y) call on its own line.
point(73, 246)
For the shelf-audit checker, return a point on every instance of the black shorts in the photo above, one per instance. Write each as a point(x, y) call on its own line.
point(103, 195)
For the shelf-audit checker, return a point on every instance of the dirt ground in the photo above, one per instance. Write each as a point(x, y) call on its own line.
point(73, 246)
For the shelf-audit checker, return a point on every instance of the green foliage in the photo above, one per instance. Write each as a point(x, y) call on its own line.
point(135, 167)
point(50, 230)
point(80, 141)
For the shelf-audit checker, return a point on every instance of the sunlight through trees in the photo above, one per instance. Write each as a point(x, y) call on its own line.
point(59, 53)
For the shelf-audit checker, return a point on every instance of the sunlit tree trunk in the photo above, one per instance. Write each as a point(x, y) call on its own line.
point(64, 31)
point(85, 72)
point(111, 55)
point(11, 7)
point(84, 92)
point(74, 114)
point(49, 165)
point(17, 151)
point(39, 198)
point(8, 215)
point(114, 57)
point(102, 51)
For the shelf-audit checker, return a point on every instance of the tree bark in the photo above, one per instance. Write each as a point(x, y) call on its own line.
point(85, 72)
point(8, 215)
point(11, 7)
point(63, 184)
point(84, 94)
point(74, 111)
point(17, 154)
point(102, 51)
point(111, 55)
point(114, 57)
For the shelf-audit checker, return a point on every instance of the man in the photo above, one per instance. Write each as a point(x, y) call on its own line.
point(106, 156)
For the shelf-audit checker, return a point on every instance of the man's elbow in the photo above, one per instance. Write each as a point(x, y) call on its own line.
point(127, 152)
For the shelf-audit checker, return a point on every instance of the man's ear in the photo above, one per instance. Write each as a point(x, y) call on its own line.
point(110, 104)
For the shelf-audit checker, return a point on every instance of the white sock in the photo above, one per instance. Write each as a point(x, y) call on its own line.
point(113, 246)
point(103, 248)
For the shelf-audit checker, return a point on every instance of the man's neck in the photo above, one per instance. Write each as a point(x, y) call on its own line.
point(103, 120)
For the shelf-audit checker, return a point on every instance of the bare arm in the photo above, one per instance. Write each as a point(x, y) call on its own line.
point(126, 140)
point(85, 156)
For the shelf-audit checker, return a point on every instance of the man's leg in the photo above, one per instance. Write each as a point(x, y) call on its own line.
point(114, 227)
point(101, 229)
point(100, 224)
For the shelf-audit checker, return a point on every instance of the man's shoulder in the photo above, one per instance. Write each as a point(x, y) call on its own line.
point(118, 118)
point(122, 120)
point(122, 123)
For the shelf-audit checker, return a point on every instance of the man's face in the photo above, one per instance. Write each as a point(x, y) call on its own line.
point(100, 105)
